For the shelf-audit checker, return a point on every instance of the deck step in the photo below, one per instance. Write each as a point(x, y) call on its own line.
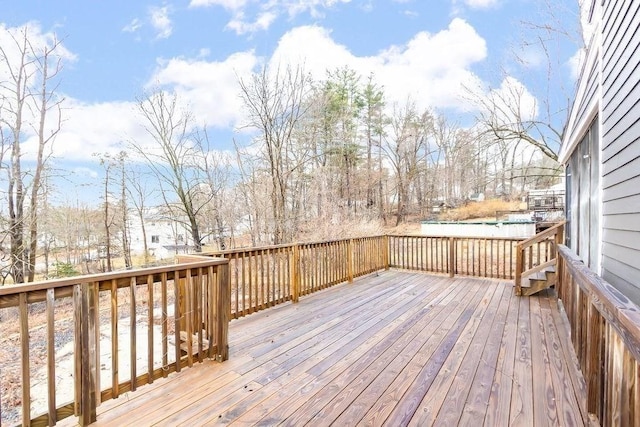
point(538, 281)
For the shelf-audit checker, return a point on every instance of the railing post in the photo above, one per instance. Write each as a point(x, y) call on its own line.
point(295, 273)
point(559, 238)
point(519, 268)
point(224, 312)
point(85, 349)
point(350, 260)
point(452, 256)
point(386, 251)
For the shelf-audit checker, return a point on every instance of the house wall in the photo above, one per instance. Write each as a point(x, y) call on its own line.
point(620, 107)
point(601, 150)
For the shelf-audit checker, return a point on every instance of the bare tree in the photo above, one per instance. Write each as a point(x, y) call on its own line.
point(216, 169)
point(139, 192)
point(274, 99)
point(175, 159)
point(406, 148)
point(108, 213)
point(510, 115)
point(514, 118)
point(29, 98)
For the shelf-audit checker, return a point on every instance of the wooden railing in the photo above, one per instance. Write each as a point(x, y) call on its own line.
point(492, 257)
point(537, 253)
point(605, 331)
point(167, 318)
point(83, 340)
point(263, 277)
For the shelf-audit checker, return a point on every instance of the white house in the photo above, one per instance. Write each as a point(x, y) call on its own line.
point(166, 236)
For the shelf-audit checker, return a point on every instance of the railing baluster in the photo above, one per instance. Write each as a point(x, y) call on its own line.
point(177, 307)
point(198, 323)
point(252, 305)
point(26, 370)
point(188, 315)
point(51, 357)
point(95, 312)
point(133, 334)
point(150, 328)
point(164, 320)
point(236, 264)
point(115, 381)
point(212, 313)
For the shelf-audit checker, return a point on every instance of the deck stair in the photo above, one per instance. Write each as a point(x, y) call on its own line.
point(536, 260)
point(539, 281)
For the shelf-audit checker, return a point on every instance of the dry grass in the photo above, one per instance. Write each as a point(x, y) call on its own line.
point(475, 210)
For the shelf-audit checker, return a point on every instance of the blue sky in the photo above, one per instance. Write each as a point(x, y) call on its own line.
point(115, 50)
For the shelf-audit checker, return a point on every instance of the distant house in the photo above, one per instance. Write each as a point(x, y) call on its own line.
point(166, 236)
point(601, 148)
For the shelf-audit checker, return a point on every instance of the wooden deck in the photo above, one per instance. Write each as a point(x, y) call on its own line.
point(394, 349)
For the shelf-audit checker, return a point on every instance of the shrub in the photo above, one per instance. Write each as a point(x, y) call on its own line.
point(64, 269)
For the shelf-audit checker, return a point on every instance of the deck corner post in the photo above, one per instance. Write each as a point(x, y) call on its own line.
point(295, 273)
point(452, 256)
point(224, 312)
point(85, 353)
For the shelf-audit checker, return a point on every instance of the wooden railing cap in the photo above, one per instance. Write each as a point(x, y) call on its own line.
point(101, 277)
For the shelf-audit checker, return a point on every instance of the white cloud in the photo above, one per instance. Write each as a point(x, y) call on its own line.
point(314, 7)
point(264, 13)
point(10, 37)
point(432, 68)
point(159, 17)
point(513, 102)
point(85, 172)
point(481, 4)
point(227, 4)
point(211, 88)
point(93, 128)
point(575, 64)
point(262, 22)
point(531, 56)
point(132, 26)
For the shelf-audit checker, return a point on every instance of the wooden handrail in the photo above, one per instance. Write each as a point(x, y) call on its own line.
point(605, 330)
point(102, 277)
point(544, 235)
point(284, 245)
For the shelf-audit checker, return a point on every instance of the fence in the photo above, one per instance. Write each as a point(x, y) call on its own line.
point(263, 277)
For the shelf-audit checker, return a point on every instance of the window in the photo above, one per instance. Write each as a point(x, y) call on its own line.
point(155, 239)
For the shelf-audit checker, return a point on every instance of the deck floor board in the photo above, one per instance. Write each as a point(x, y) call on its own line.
point(394, 348)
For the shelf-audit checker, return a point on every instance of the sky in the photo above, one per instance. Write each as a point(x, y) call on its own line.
point(114, 52)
